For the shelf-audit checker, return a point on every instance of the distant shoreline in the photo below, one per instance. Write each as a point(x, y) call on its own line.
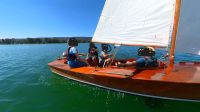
point(42, 40)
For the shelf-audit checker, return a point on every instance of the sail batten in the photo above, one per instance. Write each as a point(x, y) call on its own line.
point(136, 22)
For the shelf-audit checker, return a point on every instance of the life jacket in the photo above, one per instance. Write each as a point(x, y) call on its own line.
point(93, 52)
point(151, 62)
point(147, 62)
point(70, 56)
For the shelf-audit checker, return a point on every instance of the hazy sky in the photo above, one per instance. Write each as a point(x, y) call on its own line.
point(48, 18)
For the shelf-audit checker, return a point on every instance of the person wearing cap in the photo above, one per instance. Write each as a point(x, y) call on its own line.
point(92, 58)
point(73, 59)
point(147, 60)
point(105, 59)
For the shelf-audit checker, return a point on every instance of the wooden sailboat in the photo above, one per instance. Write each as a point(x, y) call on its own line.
point(143, 23)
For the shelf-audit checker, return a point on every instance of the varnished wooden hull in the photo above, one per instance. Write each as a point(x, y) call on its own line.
point(151, 83)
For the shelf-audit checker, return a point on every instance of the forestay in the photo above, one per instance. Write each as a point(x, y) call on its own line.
point(136, 22)
point(188, 39)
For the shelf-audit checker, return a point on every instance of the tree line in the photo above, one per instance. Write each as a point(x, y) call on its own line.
point(42, 40)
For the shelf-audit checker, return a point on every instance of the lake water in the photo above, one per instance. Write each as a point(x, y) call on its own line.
point(28, 85)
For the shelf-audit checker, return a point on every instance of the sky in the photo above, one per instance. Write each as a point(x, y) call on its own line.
point(49, 18)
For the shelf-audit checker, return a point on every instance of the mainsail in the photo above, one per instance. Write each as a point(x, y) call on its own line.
point(136, 22)
point(188, 38)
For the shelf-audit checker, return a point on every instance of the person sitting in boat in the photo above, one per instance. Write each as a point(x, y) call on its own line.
point(92, 58)
point(105, 59)
point(73, 59)
point(147, 60)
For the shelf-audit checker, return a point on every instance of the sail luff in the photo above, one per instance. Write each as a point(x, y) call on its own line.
point(174, 35)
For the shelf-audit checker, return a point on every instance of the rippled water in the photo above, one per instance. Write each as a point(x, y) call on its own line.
point(28, 85)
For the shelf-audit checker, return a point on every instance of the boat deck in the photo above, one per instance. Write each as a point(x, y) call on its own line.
point(184, 72)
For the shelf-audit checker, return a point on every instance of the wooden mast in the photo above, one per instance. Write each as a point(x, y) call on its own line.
point(174, 36)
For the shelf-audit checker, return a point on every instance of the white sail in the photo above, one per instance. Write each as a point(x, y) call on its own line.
point(188, 38)
point(136, 22)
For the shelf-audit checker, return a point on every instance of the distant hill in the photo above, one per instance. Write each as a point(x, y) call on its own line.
point(43, 40)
